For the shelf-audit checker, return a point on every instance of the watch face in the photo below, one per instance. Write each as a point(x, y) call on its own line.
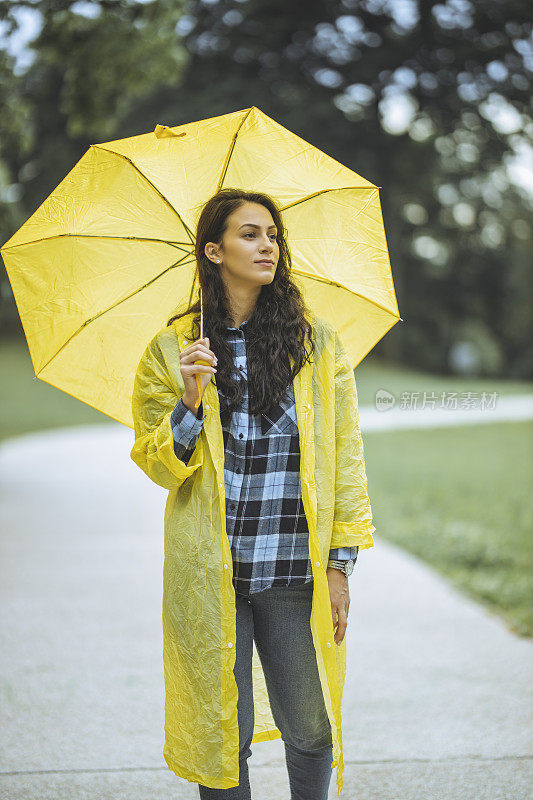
point(343, 566)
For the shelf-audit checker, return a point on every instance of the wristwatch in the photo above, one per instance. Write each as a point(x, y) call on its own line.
point(344, 566)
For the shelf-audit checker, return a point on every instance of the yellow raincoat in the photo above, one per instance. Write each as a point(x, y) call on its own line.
point(201, 728)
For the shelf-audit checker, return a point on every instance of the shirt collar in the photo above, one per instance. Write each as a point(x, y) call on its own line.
point(240, 326)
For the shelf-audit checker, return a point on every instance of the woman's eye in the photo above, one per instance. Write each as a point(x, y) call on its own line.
point(273, 236)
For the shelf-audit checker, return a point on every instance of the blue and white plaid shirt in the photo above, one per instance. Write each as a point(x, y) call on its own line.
point(265, 518)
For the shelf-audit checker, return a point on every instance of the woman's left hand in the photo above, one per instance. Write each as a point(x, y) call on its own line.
point(339, 595)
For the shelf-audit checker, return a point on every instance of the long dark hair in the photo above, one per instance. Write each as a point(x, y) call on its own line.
point(277, 326)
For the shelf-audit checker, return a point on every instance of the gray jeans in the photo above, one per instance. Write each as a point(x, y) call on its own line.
point(278, 620)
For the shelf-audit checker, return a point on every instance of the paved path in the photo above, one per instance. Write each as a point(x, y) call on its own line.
point(437, 704)
point(515, 408)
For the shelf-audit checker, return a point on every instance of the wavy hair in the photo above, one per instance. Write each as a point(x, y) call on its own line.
point(278, 325)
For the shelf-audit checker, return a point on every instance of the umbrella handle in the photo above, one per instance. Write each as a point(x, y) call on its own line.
point(199, 387)
point(199, 382)
point(203, 363)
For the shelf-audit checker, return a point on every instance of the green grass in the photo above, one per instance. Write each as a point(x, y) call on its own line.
point(459, 498)
point(372, 375)
point(33, 405)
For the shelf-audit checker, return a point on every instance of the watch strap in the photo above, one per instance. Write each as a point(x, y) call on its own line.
point(341, 565)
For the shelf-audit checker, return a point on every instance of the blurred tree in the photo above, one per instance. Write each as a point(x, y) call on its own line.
point(430, 101)
point(92, 63)
point(16, 142)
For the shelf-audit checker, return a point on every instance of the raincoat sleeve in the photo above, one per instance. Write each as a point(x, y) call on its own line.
point(153, 400)
point(352, 519)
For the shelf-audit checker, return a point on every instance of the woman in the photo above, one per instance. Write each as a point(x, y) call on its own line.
point(266, 481)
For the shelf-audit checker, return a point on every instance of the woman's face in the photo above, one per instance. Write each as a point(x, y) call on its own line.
point(250, 237)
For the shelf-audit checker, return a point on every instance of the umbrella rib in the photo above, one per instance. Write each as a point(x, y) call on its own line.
point(231, 149)
point(154, 187)
point(177, 245)
point(110, 308)
point(221, 179)
point(329, 238)
point(341, 286)
point(324, 191)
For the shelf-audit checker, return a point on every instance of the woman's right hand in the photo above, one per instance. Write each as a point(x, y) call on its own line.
point(197, 351)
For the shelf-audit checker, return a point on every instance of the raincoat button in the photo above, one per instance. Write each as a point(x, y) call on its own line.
point(328, 644)
point(226, 566)
point(185, 341)
point(230, 644)
point(318, 563)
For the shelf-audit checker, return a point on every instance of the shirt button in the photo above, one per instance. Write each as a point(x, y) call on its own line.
point(232, 506)
point(238, 469)
point(230, 644)
point(240, 435)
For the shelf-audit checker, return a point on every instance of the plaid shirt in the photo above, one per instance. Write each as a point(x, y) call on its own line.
point(265, 518)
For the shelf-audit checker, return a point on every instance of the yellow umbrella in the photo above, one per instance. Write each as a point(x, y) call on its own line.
point(107, 258)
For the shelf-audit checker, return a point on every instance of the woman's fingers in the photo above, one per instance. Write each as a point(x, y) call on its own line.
point(189, 361)
point(339, 614)
point(202, 369)
point(197, 351)
point(343, 623)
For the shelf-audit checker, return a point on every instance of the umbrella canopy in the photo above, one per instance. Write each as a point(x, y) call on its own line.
point(108, 257)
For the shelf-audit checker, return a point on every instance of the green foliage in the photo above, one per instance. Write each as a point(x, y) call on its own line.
point(104, 65)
